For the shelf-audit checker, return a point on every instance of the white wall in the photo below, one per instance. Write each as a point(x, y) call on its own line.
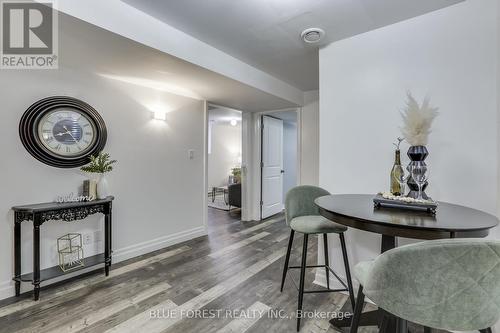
point(309, 125)
point(498, 107)
point(159, 190)
point(225, 149)
point(451, 55)
point(289, 156)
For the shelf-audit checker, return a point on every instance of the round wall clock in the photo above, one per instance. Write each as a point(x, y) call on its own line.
point(62, 131)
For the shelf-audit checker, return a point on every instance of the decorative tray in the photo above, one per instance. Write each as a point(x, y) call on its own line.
point(391, 201)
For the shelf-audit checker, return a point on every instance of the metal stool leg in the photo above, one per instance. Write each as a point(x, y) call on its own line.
point(287, 259)
point(302, 278)
point(347, 270)
point(357, 311)
point(401, 325)
point(327, 262)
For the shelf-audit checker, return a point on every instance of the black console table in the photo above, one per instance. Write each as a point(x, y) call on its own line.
point(71, 211)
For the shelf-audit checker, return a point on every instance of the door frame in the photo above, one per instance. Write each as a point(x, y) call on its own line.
point(252, 160)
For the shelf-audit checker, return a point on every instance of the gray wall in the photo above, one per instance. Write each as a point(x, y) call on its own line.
point(159, 190)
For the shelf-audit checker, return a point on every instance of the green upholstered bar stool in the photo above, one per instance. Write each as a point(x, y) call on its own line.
point(451, 284)
point(302, 215)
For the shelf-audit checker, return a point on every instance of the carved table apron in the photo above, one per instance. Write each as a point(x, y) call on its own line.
point(40, 213)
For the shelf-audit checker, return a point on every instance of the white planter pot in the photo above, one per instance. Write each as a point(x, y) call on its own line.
point(102, 187)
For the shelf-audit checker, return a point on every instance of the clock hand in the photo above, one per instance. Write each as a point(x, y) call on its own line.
point(68, 132)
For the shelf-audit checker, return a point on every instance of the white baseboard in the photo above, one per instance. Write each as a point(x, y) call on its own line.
point(7, 287)
point(157, 244)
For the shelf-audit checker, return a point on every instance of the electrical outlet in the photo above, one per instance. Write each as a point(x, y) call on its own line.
point(87, 239)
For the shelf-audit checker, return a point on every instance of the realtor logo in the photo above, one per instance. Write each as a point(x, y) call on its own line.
point(29, 35)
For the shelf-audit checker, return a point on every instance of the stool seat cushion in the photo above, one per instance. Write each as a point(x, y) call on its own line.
point(449, 284)
point(315, 224)
point(362, 271)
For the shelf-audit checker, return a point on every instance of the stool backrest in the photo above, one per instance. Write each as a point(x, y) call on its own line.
point(451, 284)
point(300, 201)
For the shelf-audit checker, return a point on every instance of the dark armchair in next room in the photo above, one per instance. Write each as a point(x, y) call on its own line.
point(234, 195)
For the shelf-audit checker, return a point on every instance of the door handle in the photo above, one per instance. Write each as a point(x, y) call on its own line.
point(282, 171)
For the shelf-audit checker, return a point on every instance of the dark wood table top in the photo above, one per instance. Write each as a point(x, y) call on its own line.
point(357, 211)
point(33, 208)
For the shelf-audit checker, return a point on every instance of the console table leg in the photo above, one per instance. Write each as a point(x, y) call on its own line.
point(36, 256)
point(107, 241)
point(36, 292)
point(18, 288)
point(17, 253)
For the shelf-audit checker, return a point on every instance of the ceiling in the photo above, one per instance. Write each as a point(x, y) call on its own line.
point(287, 116)
point(266, 33)
point(134, 66)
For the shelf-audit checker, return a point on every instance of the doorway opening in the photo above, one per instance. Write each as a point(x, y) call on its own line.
point(279, 159)
point(224, 147)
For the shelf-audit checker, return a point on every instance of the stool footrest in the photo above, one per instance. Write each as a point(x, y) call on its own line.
point(324, 291)
point(321, 290)
point(321, 266)
point(312, 266)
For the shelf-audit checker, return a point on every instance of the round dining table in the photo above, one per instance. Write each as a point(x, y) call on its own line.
point(359, 212)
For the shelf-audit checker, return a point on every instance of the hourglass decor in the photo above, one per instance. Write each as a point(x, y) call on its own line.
point(70, 252)
point(417, 155)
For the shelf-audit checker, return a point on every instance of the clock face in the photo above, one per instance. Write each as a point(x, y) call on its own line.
point(66, 132)
point(62, 131)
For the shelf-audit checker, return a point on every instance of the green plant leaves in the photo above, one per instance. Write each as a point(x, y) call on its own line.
point(99, 164)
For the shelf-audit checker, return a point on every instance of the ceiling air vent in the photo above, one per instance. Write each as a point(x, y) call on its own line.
point(312, 35)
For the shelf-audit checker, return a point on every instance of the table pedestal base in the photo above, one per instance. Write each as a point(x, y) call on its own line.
point(370, 318)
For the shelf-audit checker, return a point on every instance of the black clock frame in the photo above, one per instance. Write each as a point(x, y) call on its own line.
point(28, 131)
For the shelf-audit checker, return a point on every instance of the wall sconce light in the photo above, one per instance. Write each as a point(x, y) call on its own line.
point(233, 122)
point(159, 115)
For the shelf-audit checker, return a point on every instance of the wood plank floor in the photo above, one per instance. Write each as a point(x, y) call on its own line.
point(236, 268)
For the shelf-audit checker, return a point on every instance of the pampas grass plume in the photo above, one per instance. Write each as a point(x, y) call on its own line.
point(417, 120)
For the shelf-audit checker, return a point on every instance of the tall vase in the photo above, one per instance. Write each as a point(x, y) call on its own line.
point(102, 187)
point(417, 155)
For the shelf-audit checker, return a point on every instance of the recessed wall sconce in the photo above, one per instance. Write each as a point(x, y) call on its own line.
point(159, 115)
point(233, 122)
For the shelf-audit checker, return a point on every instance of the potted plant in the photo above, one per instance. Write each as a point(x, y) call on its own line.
point(236, 174)
point(100, 165)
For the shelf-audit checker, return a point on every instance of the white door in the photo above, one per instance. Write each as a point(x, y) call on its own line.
point(272, 166)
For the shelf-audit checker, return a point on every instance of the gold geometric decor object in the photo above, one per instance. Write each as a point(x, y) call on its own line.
point(70, 250)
